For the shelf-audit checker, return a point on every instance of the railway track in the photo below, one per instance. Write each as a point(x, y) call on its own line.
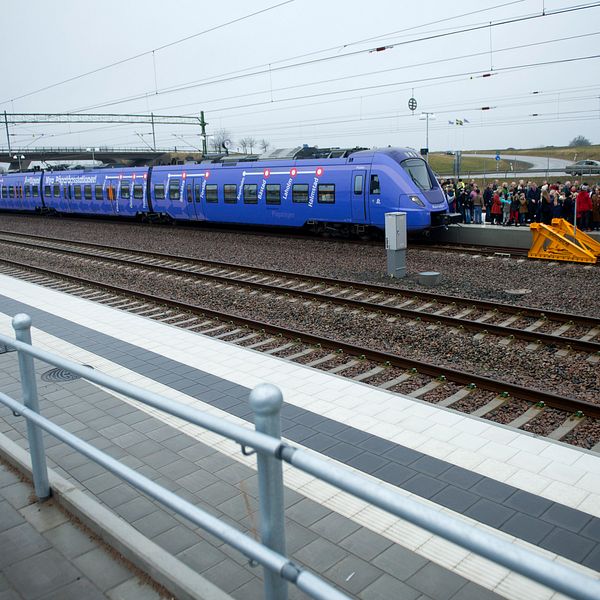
point(500, 251)
point(511, 322)
point(480, 396)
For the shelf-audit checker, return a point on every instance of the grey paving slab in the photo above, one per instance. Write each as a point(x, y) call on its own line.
point(43, 516)
point(24, 542)
point(455, 498)
point(202, 556)
point(177, 539)
point(101, 569)
point(51, 571)
point(424, 485)
point(386, 587)
point(307, 512)
point(365, 544)
point(132, 589)
point(472, 591)
point(567, 518)
point(528, 503)
point(567, 544)
point(490, 513)
point(320, 554)
point(353, 574)
point(69, 540)
point(76, 590)
point(527, 528)
point(399, 562)
point(334, 527)
point(436, 582)
point(9, 516)
point(228, 575)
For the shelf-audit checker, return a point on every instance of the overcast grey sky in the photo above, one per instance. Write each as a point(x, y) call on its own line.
point(353, 96)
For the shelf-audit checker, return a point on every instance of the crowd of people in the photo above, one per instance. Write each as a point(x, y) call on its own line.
point(521, 203)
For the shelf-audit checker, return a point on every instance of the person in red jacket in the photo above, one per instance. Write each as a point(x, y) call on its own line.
point(496, 210)
point(584, 208)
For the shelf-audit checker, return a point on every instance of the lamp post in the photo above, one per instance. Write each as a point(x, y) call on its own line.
point(92, 150)
point(20, 157)
point(425, 116)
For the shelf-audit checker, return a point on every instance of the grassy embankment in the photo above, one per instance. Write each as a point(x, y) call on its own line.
point(443, 163)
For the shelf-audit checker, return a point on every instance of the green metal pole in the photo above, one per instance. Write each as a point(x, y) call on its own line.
point(203, 125)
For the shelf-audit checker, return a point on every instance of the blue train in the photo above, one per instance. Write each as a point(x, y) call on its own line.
point(349, 194)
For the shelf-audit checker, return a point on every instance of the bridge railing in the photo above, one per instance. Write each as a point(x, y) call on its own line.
point(266, 401)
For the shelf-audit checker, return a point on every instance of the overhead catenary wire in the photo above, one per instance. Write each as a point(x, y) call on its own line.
point(312, 62)
point(356, 75)
point(146, 53)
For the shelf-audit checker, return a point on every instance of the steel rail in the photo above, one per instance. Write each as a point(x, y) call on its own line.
point(517, 309)
point(504, 331)
point(532, 395)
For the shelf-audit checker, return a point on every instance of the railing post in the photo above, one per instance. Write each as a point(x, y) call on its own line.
point(266, 401)
point(22, 325)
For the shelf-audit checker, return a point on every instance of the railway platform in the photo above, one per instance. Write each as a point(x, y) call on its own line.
point(490, 235)
point(532, 492)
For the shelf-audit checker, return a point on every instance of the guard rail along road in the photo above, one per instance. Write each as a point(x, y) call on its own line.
point(266, 401)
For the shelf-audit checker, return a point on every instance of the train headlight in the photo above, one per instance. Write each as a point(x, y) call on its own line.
point(417, 201)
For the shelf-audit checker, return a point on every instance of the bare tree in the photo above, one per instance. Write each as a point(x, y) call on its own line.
point(220, 136)
point(264, 145)
point(244, 144)
point(251, 143)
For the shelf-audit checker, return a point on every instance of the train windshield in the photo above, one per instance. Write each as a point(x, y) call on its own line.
point(417, 169)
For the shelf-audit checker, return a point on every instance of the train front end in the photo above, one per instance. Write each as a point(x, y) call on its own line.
point(419, 194)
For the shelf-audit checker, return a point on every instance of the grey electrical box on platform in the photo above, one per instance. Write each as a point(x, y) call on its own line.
point(395, 243)
point(395, 231)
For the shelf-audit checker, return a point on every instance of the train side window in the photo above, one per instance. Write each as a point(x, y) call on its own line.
point(326, 193)
point(87, 192)
point(212, 193)
point(159, 191)
point(197, 193)
point(47, 191)
point(174, 189)
point(36, 191)
point(273, 193)
point(77, 192)
point(300, 193)
point(138, 191)
point(230, 193)
point(375, 188)
point(358, 185)
point(27, 191)
point(98, 192)
point(4, 191)
point(56, 190)
point(250, 193)
point(125, 191)
point(190, 193)
point(11, 191)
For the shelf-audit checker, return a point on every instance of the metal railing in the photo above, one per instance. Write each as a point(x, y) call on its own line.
point(266, 401)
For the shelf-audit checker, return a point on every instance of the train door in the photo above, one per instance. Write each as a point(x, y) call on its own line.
point(359, 196)
point(111, 188)
point(187, 193)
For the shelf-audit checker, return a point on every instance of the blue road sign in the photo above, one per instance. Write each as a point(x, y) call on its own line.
point(497, 157)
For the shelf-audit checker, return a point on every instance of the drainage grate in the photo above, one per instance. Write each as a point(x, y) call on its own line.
point(4, 349)
point(60, 375)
